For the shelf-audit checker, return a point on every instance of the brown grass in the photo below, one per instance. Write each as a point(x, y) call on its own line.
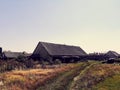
point(96, 74)
point(29, 79)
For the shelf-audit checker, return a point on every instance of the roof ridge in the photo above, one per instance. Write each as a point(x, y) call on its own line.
point(61, 49)
point(60, 44)
point(43, 44)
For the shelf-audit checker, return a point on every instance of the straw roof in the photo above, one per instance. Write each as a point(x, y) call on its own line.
point(61, 50)
point(112, 54)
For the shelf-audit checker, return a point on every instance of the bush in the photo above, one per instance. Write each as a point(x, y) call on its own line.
point(57, 61)
point(21, 58)
point(29, 63)
point(44, 63)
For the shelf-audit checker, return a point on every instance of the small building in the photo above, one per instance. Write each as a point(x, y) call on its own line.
point(11, 55)
point(0, 52)
point(97, 56)
point(47, 51)
point(112, 54)
point(14, 55)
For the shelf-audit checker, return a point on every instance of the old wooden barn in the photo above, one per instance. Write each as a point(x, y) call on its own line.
point(51, 51)
point(112, 54)
point(14, 55)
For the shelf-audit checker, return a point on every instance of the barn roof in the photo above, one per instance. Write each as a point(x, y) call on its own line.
point(62, 50)
point(12, 54)
point(112, 54)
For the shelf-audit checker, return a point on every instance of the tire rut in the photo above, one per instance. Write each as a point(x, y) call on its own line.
point(74, 85)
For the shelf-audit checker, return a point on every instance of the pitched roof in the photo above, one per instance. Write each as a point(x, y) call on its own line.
point(59, 49)
point(12, 54)
point(112, 54)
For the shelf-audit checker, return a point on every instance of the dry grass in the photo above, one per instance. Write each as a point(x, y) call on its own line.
point(34, 78)
point(29, 79)
point(110, 83)
point(96, 74)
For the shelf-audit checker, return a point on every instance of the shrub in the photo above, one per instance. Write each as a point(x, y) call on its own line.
point(20, 58)
point(57, 61)
point(29, 63)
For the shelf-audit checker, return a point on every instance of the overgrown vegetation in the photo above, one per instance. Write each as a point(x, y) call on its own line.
point(11, 65)
point(94, 75)
point(63, 80)
point(29, 79)
point(110, 83)
point(19, 75)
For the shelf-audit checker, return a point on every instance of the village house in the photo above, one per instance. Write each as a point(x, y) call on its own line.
point(11, 55)
point(0, 53)
point(112, 54)
point(14, 55)
point(51, 51)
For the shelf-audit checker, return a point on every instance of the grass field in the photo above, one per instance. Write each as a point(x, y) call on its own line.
point(110, 83)
point(94, 75)
point(64, 80)
point(78, 76)
point(29, 79)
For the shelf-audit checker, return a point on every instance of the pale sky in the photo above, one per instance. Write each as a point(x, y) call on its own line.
point(94, 25)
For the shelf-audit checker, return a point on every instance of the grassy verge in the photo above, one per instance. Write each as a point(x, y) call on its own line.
point(29, 79)
point(95, 74)
point(110, 83)
point(63, 80)
point(77, 84)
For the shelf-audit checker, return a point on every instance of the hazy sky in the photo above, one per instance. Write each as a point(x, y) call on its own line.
point(94, 25)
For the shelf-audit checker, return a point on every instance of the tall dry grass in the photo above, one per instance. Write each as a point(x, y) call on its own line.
point(29, 79)
point(96, 74)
